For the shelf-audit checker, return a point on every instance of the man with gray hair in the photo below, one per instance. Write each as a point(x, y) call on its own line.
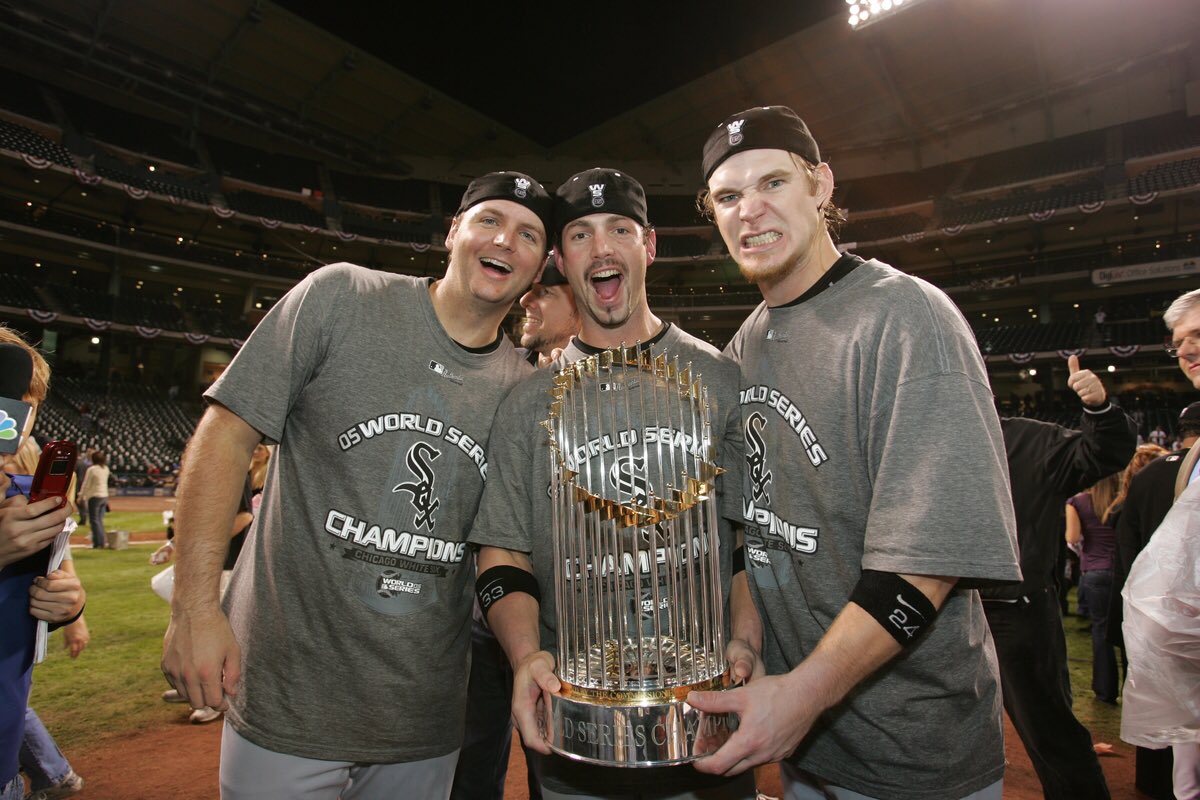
point(1151, 494)
point(1182, 319)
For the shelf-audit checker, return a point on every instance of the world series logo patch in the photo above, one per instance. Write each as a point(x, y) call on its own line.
point(735, 132)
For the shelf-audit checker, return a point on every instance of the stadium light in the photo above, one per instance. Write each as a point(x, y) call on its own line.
point(868, 12)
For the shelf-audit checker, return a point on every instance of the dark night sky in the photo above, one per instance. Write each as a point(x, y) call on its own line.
point(553, 75)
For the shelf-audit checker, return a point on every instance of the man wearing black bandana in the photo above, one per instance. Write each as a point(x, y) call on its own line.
point(340, 648)
point(866, 529)
point(605, 245)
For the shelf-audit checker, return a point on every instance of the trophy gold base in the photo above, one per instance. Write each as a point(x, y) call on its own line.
point(633, 732)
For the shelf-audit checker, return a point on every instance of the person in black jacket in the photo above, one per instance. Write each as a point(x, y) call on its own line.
point(1047, 464)
point(1151, 495)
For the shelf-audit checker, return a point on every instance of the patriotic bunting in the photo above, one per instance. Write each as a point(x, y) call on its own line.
point(146, 332)
point(1091, 208)
point(85, 178)
point(1124, 351)
point(196, 338)
point(135, 192)
point(1065, 354)
point(1143, 199)
point(269, 223)
point(953, 230)
point(43, 317)
point(223, 213)
point(35, 162)
point(1041, 216)
point(97, 325)
point(1020, 358)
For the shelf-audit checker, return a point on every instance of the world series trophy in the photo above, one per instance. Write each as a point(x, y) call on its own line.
point(637, 582)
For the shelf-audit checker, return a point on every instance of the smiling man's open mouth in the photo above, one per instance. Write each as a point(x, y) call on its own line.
point(606, 282)
point(497, 265)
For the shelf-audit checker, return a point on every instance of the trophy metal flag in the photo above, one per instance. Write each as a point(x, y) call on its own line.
point(637, 582)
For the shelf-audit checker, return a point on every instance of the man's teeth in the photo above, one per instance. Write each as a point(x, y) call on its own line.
point(604, 273)
point(500, 265)
point(763, 238)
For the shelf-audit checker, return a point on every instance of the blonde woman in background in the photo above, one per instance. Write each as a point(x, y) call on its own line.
point(95, 493)
point(1143, 456)
point(1092, 522)
point(1087, 513)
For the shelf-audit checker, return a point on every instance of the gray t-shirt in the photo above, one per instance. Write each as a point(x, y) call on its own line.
point(872, 443)
point(352, 598)
point(515, 512)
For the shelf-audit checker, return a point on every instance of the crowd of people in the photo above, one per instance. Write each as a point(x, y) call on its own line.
point(889, 592)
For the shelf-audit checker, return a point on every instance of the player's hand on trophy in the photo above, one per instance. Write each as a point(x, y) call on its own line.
point(201, 659)
point(773, 716)
point(1086, 384)
point(533, 683)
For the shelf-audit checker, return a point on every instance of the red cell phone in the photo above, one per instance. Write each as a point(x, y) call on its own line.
point(55, 469)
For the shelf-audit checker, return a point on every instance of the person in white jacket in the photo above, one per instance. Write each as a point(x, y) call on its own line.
point(94, 493)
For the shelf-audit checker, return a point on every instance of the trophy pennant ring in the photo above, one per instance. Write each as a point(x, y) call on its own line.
point(637, 582)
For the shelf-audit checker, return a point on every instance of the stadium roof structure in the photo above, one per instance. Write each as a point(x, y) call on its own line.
point(942, 81)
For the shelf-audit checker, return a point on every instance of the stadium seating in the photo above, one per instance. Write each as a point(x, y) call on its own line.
point(392, 230)
point(1037, 161)
point(1172, 175)
point(682, 246)
point(1165, 134)
point(159, 181)
point(879, 228)
point(23, 140)
point(1023, 201)
point(133, 424)
point(17, 292)
point(273, 207)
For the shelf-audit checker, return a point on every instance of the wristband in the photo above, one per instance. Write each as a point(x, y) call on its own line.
point(53, 626)
point(502, 580)
point(901, 608)
point(739, 560)
point(1101, 409)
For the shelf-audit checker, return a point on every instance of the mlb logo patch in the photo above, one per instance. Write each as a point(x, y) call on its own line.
point(597, 190)
point(735, 132)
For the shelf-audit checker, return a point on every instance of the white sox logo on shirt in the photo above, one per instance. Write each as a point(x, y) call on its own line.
point(597, 190)
point(628, 475)
point(735, 132)
point(756, 458)
point(418, 458)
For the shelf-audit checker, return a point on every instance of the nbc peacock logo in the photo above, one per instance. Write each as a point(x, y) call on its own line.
point(8, 427)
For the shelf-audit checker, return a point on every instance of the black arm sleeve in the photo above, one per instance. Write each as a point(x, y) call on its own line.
point(1104, 444)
